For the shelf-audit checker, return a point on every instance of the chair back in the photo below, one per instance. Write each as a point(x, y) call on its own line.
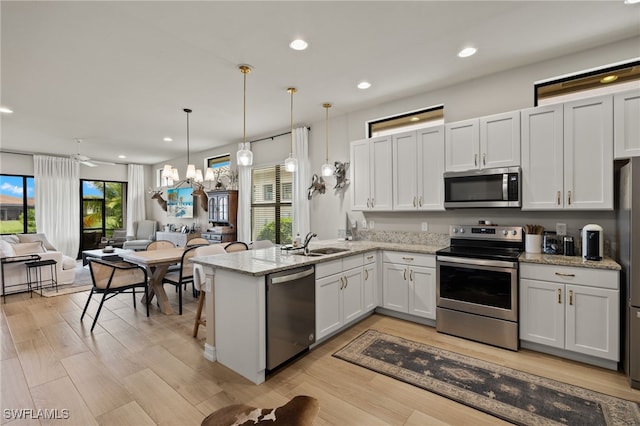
point(160, 244)
point(186, 267)
point(236, 246)
point(144, 229)
point(260, 244)
point(197, 242)
point(198, 270)
point(113, 275)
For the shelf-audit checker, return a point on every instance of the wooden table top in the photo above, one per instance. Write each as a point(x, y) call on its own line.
point(155, 257)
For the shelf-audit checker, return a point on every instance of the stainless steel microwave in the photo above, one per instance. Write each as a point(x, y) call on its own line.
point(483, 188)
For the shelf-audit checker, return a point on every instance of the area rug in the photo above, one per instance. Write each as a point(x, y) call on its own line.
point(509, 394)
point(81, 282)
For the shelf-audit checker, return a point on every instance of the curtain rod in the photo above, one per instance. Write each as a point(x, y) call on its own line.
point(276, 136)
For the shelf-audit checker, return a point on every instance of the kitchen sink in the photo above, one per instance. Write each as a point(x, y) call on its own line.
point(322, 251)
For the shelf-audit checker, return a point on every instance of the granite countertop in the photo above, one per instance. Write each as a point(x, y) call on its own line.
point(559, 260)
point(270, 260)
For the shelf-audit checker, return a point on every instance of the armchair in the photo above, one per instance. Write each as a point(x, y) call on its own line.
point(144, 231)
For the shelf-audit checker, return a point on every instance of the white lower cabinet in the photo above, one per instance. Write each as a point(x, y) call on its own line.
point(409, 283)
point(575, 309)
point(345, 290)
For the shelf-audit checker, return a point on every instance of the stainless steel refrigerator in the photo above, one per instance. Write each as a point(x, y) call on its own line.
point(628, 237)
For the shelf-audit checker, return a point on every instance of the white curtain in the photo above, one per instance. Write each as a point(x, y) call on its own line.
point(301, 179)
point(135, 196)
point(57, 194)
point(244, 204)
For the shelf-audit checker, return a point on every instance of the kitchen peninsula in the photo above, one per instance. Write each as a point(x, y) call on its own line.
point(238, 336)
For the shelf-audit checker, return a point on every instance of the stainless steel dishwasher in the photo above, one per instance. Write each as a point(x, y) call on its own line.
point(291, 314)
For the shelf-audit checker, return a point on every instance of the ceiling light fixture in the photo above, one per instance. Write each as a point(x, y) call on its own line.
point(171, 173)
point(298, 44)
point(414, 119)
point(467, 51)
point(122, 156)
point(167, 139)
point(610, 78)
point(291, 164)
point(6, 110)
point(244, 156)
point(364, 85)
point(326, 169)
point(631, 1)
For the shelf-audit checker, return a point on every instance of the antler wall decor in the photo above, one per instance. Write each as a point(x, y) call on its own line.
point(341, 174)
point(198, 191)
point(157, 195)
point(317, 185)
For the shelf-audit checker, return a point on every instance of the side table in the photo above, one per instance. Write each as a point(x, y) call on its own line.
point(35, 268)
point(14, 259)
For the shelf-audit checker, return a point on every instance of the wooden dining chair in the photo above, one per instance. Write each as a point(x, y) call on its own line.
point(199, 282)
point(236, 246)
point(183, 276)
point(199, 241)
point(160, 244)
point(113, 278)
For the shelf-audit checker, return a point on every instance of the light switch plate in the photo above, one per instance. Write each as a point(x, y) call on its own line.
point(425, 226)
point(561, 228)
point(364, 223)
point(371, 224)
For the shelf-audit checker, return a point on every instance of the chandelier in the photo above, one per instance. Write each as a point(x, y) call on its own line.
point(171, 174)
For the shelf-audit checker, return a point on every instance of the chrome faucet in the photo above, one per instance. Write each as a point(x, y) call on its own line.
point(307, 239)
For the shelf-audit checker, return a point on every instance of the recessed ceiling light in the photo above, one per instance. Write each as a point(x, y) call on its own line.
point(298, 44)
point(414, 119)
point(122, 156)
point(631, 1)
point(6, 110)
point(467, 51)
point(167, 139)
point(609, 79)
point(364, 85)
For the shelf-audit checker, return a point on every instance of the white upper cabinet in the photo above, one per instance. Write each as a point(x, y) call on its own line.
point(370, 173)
point(567, 156)
point(418, 159)
point(486, 142)
point(626, 124)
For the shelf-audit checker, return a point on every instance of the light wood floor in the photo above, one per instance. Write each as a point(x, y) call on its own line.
point(135, 370)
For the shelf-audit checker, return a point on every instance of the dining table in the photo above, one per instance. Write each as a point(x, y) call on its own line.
point(157, 263)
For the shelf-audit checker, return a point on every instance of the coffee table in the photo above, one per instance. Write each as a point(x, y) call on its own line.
point(112, 256)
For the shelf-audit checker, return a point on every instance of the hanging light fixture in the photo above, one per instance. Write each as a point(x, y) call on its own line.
point(244, 156)
point(171, 173)
point(291, 164)
point(326, 169)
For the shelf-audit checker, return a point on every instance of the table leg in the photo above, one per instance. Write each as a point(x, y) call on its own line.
point(156, 275)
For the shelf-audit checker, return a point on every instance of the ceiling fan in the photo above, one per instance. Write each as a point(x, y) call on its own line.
point(86, 161)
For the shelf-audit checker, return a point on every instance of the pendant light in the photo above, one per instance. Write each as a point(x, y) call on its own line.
point(192, 175)
point(244, 156)
point(326, 169)
point(291, 164)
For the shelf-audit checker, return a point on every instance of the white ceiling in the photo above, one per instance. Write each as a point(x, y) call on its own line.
point(118, 74)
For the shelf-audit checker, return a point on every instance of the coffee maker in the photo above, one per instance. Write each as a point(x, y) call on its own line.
point(592, 242)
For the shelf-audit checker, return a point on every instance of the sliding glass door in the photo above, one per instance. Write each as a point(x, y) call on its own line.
point(103, 209)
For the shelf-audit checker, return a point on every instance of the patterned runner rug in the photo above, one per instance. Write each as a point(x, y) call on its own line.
point(509, 394)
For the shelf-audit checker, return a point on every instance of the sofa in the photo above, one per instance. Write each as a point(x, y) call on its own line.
point(15, 274)
point(144, 231)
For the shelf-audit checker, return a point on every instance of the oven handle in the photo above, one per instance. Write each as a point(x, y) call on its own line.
point(477, 262)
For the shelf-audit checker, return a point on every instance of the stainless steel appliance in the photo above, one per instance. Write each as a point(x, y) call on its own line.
point(592, 242)
point(477, 284)
point(483, 188)
point(628, 255)
point(291, 314)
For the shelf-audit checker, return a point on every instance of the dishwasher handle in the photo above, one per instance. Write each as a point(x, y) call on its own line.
point(292, 277)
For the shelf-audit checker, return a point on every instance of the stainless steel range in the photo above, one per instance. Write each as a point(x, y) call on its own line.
point(477, 284)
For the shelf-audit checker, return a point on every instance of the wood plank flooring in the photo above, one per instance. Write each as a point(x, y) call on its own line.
point(135, 370)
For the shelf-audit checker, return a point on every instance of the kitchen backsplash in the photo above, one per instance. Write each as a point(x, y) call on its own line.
point(420, 238)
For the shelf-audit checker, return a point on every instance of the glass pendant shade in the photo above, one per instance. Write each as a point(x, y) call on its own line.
point(209, 177)
point(326, 170)
point(290, 164)
point(244, 156)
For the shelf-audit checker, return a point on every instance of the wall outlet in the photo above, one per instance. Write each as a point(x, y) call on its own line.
point(425, 226)
point(371, 224)
point(364, 223)
point(561, 228)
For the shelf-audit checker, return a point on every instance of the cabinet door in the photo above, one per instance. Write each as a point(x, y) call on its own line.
point(422, 292)
point(213, 209)
point(430, 144)
point(395, 287)
point(360, 172)
point(405, 170)
point(352, 295)
point(592, 322)
point(500, 140)
point(380, 173)
point(588, 154)
point(626, 124)
point(328, 305)
point(369, 286)
point(542, 318)
point(462, 145)
point(542, 158)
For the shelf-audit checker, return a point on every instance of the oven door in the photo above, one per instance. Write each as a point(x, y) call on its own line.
point(482, 287)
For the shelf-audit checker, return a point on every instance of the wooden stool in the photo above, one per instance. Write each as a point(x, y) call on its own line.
point(199, 320)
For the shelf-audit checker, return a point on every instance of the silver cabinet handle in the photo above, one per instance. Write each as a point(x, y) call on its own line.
point(369, 257)
point(569, 196)
point(560, 274)
point(559, 291)
point(346, 282)
point(368, 203)
point(373, 202)
point(414, 201)
point(408, 259)
point(411, 275)
point(484, 159)
point(341, 283)
point(404, 274)
point(366, 274)
point(475, 159)
point(420, 201)
point(558, 198)
point(570, 297)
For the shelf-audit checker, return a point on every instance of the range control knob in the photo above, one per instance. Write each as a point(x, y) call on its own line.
point(514, 232)
point(462, 230)
point(455, 230)
point(505, 232)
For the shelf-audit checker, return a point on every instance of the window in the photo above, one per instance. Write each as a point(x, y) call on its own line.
point(16, 198)
point(103, 207)
point(411, 120)
point(271, 213)
point(221, 165)
point(610, 79)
